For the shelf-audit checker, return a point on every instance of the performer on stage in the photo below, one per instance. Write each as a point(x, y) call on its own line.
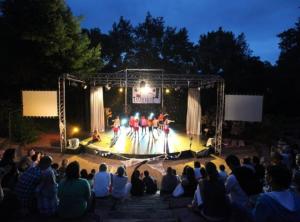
point(144, 124)
point(95, 137)
point(116, 128)
point(136, 127)
point(150, 126)
point(161, 121)
point(131, 123)
point(155, 124)
point(166, 126)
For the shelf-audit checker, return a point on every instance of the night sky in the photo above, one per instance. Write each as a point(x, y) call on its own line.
point(260, 20)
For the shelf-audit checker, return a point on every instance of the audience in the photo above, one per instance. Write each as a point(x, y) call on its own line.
point(120, 187)
point(46, 191)
point(150, 183)
point(102, 182)
point(27, 184)
point(197, 167)
point(74, 193)
point(189, 183)
point(215, 204)
point(222, 173)
point(10, 178)
point(138, 186)
point(169, 182)
point(281, 204)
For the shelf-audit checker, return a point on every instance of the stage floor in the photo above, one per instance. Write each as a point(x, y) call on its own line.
point(145, 143)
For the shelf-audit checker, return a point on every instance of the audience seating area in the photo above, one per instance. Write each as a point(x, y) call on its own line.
point(36, 189)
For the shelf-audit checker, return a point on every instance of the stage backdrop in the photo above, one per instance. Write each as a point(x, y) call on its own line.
point(145, 95)
point(97, 109)
point(193, 116)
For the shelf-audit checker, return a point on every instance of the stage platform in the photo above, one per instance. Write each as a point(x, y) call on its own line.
point(145, 143)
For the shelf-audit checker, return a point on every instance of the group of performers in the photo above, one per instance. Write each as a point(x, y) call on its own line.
point(159, 124)
point(152, 123)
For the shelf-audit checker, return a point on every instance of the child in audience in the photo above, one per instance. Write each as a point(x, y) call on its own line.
point(222, 173)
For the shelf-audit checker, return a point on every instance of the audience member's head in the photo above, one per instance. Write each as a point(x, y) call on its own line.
point(146, 173)
point(64, 163)
point(190, 173)
point(169, 171)
point(93, 171)
point(36, 157)
point(45, 162)
point(120, 171)
point(174, 172)
point(30, 153)
point(135, 175)
point(8, 156)
point(211, 171)
point(72, 170)
point(232, 162)
point(247, 160)
point(197, 164)
point(103, 167)
point(84, 174)
point(55, 166)
point(184, 172)
point(278, 177)
point(222, 167)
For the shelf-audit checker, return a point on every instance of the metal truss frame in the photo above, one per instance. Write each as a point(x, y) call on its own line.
point(155, 78)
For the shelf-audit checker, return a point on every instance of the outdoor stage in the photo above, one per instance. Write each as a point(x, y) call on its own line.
point(145, 144)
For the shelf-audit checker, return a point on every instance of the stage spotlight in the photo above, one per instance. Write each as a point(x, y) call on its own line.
point(146, 89)
point(120, 89)
point(167, 91)
point(177, 88)
point(107, 87)
point(199, 88)
point(124, 121)
point(84, 86)
point(75, 129)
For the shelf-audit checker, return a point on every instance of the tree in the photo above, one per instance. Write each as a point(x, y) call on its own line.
point(43, 40)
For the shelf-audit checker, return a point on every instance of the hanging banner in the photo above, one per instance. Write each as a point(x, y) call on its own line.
point(144, 95)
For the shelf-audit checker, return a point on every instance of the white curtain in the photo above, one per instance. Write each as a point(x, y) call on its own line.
point(193, 116)
point(97, 109)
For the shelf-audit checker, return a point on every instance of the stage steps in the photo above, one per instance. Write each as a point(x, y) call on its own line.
point(135, 209)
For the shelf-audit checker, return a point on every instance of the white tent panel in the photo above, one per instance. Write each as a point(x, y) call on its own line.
point(39, 103)
point(243, 108)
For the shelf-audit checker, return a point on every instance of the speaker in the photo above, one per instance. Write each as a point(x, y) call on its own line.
point(73, 144)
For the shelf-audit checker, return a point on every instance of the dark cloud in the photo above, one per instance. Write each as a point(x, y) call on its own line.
point(260, 20)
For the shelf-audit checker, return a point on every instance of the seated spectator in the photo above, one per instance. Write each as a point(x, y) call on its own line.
point(241, 183)
point(102, 181)
point(10, 178)
point(84, 174)
point(169, 182)
point(62, 168)
point(138, 186)
point(214, 201)
point(189, 183)
point(27, 184)
point(175, 173)
point(281, 204)
point(35, 159)
point(46, 191)
point(150, 183)
point(222, 173)
point(197, 167)
point(119, 184)
point(24, 164)
point(74, 193)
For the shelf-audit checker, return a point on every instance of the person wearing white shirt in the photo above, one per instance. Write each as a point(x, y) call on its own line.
point(102, 182)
